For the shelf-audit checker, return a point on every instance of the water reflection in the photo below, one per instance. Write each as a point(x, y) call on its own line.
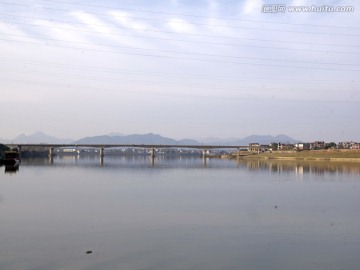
point(302, 167)
point(171, 213)
point(145, 161)
point(10, 169)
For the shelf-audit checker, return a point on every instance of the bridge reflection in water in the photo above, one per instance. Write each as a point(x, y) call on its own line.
point(291, 167)
point(118, 160)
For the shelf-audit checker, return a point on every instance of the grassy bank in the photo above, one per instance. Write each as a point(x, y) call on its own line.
point(331, 155)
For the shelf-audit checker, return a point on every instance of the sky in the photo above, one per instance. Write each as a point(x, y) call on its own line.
point(180, 68)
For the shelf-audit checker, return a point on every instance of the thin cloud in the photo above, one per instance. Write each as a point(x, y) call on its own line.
point(181, 26)
point(92, 22)
point(219, 62)
point(252, 6)
point(124, 18)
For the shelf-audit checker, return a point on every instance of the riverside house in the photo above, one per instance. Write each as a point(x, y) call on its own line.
point(349, 145)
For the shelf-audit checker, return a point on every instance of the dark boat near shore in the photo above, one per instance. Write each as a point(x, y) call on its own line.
point(10, 158)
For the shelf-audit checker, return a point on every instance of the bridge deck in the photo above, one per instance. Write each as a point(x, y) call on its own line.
point(130, 145)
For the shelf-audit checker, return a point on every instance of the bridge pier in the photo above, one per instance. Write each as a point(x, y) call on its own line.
point(51, 151)
point(204, 157)
point(102, 154)
point(51, 159)
point(19, 150)
point(152, 152)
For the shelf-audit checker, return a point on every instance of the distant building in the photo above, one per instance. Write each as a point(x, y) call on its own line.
point(355, 146)
point(253, 147)
point(302, 146)
point(285, 146)
point(348, 145)
point(330, 145)
point(317, 145)
point(256, 147)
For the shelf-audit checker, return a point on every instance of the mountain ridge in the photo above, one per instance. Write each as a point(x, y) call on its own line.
point(38, 138)
point(148, 138)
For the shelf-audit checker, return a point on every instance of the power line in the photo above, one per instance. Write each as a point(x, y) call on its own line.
point(182, 85)
point(182, 40)
point(191, 53)
point(179, 58)
point(202, 24)
point(189, 34)
point(162, 74)
point(201, 16)
point(168, 94)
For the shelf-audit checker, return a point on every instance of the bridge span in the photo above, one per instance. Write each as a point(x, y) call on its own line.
point(102, 147)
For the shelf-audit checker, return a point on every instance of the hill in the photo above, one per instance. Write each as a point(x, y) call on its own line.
point(39, 137)
point(149, 138)
point(261, 139)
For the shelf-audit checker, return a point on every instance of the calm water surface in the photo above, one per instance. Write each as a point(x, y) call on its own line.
point(186, 213)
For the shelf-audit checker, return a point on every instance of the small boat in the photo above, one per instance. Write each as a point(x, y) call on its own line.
point(11, 158)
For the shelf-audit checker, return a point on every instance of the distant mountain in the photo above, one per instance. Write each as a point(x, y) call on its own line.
point(262, 139)
point(266, 139)
point(214, 140)
point(149, 138)
point(188, 142)
point(116, 134)
point(39, 137)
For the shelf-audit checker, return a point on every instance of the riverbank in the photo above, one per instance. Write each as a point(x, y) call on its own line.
point(325, 155)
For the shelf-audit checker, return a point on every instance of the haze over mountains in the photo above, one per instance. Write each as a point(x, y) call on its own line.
point(37, 137)
point(150, 138)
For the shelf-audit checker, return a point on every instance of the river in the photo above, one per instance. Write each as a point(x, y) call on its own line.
point(135, 213)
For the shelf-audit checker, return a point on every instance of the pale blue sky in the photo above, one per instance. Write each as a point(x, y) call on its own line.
point(180, 69)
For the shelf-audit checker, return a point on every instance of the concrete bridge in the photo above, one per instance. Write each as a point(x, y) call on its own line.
point(102, 147)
